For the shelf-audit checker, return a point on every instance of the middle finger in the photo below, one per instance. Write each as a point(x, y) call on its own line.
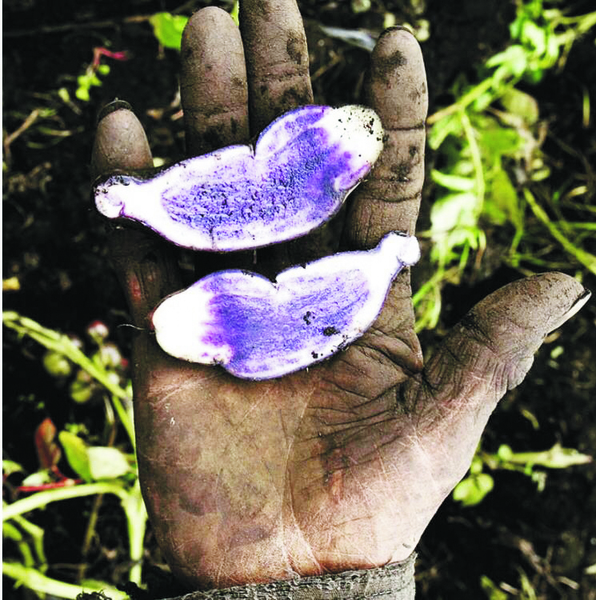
point(276, 59)
point(213, 82)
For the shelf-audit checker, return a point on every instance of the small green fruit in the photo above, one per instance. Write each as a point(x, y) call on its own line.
point(56, 364)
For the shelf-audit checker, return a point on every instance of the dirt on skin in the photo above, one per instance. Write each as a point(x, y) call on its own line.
point(54, 246)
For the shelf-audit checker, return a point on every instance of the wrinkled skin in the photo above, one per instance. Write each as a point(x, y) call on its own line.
point(343, 465)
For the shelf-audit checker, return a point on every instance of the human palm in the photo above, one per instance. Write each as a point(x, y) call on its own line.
point(340, 466)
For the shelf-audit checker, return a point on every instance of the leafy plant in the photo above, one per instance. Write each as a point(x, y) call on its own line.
point(491, 590)
point(526, 590)
point(45, 125)
point(168, 29)
point(487, 146)
point(473, 489)
point(91, 77)
point(100, 469)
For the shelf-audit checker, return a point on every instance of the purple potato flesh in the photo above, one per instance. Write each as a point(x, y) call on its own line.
point(295, 178)
point(257, 329)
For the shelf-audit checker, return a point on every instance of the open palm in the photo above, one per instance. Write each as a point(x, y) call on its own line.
point(340, 466)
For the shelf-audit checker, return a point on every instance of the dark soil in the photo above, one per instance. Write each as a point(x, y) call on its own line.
point(54, 244)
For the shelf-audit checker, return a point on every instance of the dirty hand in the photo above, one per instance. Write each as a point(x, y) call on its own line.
point(343, 465)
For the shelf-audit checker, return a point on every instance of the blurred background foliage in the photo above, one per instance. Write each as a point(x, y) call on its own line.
point(510, 191)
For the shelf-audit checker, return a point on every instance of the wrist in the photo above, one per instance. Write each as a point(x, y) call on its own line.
point(391, 582)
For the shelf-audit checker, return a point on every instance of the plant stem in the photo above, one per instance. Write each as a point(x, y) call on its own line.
point(462, 103)
point(13, 533)
point(583, 257)
point(89, 534)
point(136, 517)
point(36, 534)
point(132, 504)
point(36, 581)
point(41, 499)
point(53, 340)
point(476, 156)
point(126, 419)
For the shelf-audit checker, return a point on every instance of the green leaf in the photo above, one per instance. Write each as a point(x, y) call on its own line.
point(552, 51)
point(77, 454)
point(9, 467)
point(514, 61)
point(534, 73)
point(485, 99)
point(449, 125)
point(454, 183)
point(473, 489)
point(535, 36)
point(502, 205)
point(492, 591)
point(107, 463)
point(504, 452)
point(497, 141)
point(454, 210)
point(476, 466)
point(82, 93)
point(521, 104)
point(234, 13)
point(94, 80)
point(168, 29)
point(38, 478)
point(53, 340)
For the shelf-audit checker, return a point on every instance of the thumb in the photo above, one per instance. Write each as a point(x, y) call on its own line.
point(488, 353)
point(497, 339)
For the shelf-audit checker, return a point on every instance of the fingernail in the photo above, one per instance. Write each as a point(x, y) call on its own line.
point(113, 106)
